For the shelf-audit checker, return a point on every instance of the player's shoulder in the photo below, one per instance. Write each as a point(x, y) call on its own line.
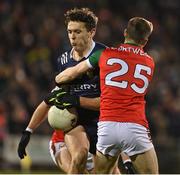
point(99, 46)
point(111, 49)
point(150, 58)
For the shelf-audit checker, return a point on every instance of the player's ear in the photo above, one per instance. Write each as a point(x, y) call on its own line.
point(93, 32)
point(125, 32)
point(143, 42)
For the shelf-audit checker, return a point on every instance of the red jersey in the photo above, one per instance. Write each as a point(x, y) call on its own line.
point(125, 73)
point(57, 136)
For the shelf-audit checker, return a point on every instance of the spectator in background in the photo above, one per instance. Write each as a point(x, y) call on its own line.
point(3, 130)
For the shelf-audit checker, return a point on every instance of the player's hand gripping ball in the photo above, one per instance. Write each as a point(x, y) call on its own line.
point(62, 119)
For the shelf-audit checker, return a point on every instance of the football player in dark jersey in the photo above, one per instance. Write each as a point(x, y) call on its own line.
point(81, 27)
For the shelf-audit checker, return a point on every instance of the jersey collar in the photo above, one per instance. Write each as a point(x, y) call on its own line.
point(90, 50)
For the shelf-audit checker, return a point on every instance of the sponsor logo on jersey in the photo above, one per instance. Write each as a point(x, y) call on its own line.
point(81, 87)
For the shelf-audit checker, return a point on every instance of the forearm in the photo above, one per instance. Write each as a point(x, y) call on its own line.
point(39, 115)
point(71, 73)
point(90, 103)
point(66, 76)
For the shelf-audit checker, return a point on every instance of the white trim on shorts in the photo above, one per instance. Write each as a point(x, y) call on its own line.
point(116, 137)
point(55, 152)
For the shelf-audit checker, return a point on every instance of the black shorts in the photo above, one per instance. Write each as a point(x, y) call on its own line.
point(88, 119)
point(92, 136)
point(91, 131)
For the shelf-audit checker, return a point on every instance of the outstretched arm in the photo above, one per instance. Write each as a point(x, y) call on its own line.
point(37, 118)
point(39, 115)
point(72, 72)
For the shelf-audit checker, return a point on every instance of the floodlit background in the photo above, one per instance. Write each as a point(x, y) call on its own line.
point(33, 34)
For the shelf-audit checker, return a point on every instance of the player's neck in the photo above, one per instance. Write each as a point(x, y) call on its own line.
point(131, 42)
point(80, 54)
point(77, 55)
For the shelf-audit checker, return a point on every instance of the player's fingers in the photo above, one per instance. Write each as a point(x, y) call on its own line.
point(21, 156)
point(60, 107)
point(21, 153)
point(69, 106)
point(61, 94)
point(52, 100)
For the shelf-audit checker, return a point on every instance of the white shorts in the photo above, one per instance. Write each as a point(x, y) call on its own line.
point(117, 137)
point(55, 148)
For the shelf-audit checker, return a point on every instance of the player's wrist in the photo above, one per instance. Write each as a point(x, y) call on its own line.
point(129, 167)
point(57, 84)
point(127, 160)
point(29, 130)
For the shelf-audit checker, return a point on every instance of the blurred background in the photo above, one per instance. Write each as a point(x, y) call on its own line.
point(33, 35)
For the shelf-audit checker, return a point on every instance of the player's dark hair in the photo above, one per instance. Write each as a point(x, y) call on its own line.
point(139, 29)
point(82, 15)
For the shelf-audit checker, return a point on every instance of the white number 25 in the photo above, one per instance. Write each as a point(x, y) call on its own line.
point(123, 70)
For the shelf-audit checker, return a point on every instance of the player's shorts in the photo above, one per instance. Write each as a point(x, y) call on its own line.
point(55, 148)
point(117, 137)
point(91, 131)
point(89, 119)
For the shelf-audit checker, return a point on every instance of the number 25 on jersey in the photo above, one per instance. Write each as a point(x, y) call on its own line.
point(123, 70)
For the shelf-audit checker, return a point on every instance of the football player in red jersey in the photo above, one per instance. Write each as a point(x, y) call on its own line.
point(125, 73)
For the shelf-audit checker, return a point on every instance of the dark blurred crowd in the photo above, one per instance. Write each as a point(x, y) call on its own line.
point(33, 34)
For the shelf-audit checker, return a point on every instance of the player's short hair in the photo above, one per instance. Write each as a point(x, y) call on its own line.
point(82, 15)
point(139, 29)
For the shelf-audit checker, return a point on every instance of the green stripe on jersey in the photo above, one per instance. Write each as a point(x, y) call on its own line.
point(94, 58)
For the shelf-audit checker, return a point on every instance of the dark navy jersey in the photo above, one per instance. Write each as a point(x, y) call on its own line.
point(87, 85)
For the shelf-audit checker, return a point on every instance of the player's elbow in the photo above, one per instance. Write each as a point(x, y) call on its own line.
point(60, 79)
point(57, 79)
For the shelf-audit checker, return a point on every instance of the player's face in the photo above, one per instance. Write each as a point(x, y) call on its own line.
point(78, 35)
